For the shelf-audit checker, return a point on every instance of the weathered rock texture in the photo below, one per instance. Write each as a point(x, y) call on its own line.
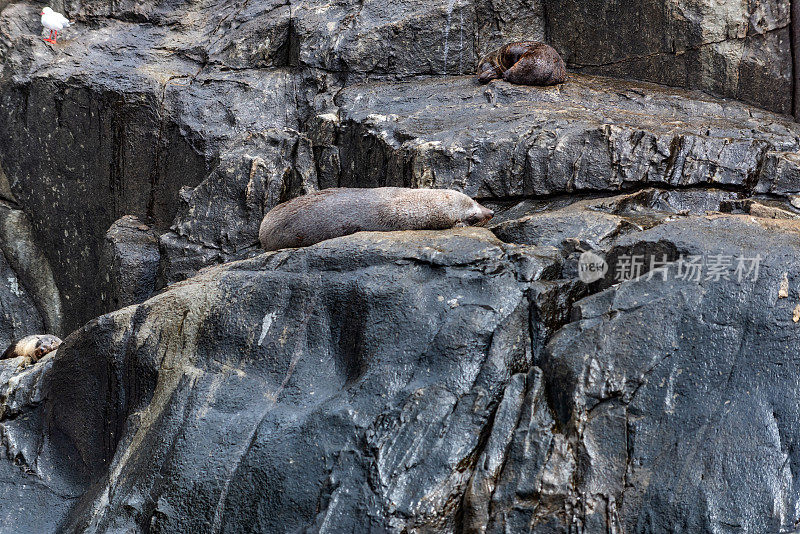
point(114, 123)
point(459, 381)
point(392, 331)
point(229, 95)
point(130, 257)
point(29, 299)
point(35, 497)
point(401, 381)
point(589, 134)
point(736, 48)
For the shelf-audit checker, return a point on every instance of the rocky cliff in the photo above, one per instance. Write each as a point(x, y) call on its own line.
point(468, 380)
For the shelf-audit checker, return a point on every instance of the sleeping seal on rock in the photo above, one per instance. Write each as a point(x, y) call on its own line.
point(32, 348)
point(525, 63)
point(337, 212)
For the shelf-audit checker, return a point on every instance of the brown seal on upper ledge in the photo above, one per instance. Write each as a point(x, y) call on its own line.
point(341, 211)
point(524, 63)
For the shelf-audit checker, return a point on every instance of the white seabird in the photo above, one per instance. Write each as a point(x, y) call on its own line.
point(54, 22)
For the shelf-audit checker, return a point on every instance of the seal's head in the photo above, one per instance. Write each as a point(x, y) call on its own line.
point(45, 344)
point(475, 214)
point(448, 208)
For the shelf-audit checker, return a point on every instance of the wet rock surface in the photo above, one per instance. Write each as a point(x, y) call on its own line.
point(734, 49)
point(683, 376)
point(393, 331)
point(403, 381)
point(471, 380)
point(29, 298)
point(159, 125)
point(35, 497)
point(130, 255)
point(184, 120)
point(588, 134)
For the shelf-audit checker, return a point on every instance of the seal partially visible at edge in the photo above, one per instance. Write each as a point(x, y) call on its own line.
point(32, 348)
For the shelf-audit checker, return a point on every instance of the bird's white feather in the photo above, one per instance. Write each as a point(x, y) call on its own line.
point(54, 21)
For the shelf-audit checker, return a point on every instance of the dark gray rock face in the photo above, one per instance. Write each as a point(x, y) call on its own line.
point(29, 299)
point(589, 134)
point(458, 381)
point(176, 92)
point(657, 382)
point(734, 49)
point(218, 220)
point(671, 387)
point(151, 135)
point(19, 316)
point(73, 185)
point(399, 381)
point(306, 420)
point(35, 497)
point(130, 255)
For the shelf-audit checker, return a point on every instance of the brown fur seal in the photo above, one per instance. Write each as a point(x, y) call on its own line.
point(32, 348)
point(525, 63)
point(337, 212)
